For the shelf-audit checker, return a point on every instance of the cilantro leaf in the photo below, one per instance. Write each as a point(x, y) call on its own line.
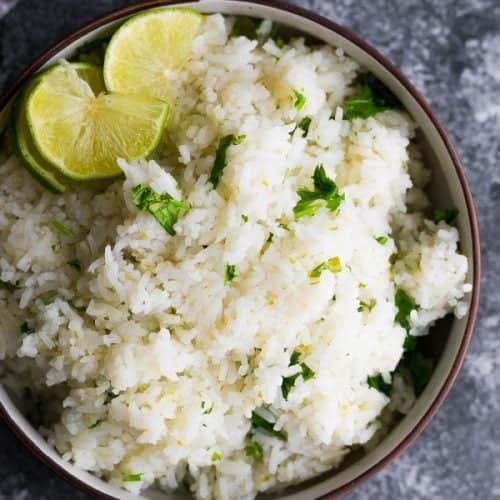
point(447, 215)
point(75, 264)
point(303, 125)
point(230, 273)
point(162, 207)
point(26, 328)
point(306, 372)
point(333, 265)
point(405, 306)
point(377, 382)
point(5, 285)
point(62, 229)
point(325, 194)
point(215, 456)
point(260, 424)
point(373, 98)
point(299, 101)
point(420, 369)
point(220, 157)
point(382, 240)
point(279, 42)
point(254, 450)
point(132, 477)
point(246, 26)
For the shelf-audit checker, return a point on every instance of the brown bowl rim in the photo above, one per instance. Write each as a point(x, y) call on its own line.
point(397, 73)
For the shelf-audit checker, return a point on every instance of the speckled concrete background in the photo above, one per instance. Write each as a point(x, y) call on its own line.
point(450, 49)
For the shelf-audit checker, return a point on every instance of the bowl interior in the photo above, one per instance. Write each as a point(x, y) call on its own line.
point(446, 190)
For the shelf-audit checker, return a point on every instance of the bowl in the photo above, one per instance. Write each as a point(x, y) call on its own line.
point(450, 337)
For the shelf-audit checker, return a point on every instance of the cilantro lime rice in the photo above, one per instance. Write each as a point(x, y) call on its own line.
point(231, 316)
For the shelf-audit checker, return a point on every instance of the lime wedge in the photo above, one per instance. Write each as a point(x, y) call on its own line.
point(26, 150)
point(145, 54)
point(82, 131)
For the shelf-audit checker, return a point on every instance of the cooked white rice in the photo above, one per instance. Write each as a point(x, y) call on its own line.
point(150, 319)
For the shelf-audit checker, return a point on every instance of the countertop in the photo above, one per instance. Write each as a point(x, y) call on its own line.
point(450, 49)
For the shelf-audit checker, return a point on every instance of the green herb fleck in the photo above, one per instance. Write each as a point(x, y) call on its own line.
point(162, 207)
point(244, 217)
point(284, 226)
point(94, 425)
point(279, 42)
point(5, 285)
point(325, 194)
point(246, 26)
point(220, 157)
point(405, 306)
point(303, 125)
point(333, 265)
point(230, 273)
point(62, 229)
point(420, 369)
point(260, 424)
point(447, 215)
point(206, 411)
point(106, 318)
point(215, 456)
point(26, 328)
point(377, 382)
point(366, 306)
point(372, 99)
point(75, 264)
point(300, 100)
point(382, 240)
point(254, 450)
point(288, 382)
point(132, 477)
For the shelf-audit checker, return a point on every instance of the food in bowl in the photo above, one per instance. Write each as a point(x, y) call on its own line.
point(243, 308)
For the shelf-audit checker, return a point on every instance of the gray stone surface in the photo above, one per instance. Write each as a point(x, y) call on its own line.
point(450, 49)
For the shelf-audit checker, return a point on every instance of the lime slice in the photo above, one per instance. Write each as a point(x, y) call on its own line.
point(82, 131)
point(25, 147)
point(145, 54)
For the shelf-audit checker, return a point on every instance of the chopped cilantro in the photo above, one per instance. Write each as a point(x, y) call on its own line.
point(230, 273)
point(279, 42)
point(215, 456)
point(303, 125)
point(405, 306)
point(284, 226)
point(410, 343)
point(333, 265)
point(246, 26)
point(62, 229)
point(382, 240)
point(373, 98)
point(106, 318)
point(75, 264)
point(95, 424)
point(299, 100)
point(325, 194)
point(244, 217)
point(26, 328)
point(162, 207)
point(254, 450)
point(447, 215)
point(5, 285)
point(132, 477)
point(206, 410)
point(220, 157)
point(288, 382)
point(366, 306)
point(260, 424)
point(420, 369)
point(377, 382)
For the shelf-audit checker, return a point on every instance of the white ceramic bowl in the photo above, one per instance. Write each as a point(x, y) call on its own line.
point(448, 188)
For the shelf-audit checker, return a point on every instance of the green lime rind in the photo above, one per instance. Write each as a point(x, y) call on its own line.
point(168, 56)
point(26, 150)
point(81, 133)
